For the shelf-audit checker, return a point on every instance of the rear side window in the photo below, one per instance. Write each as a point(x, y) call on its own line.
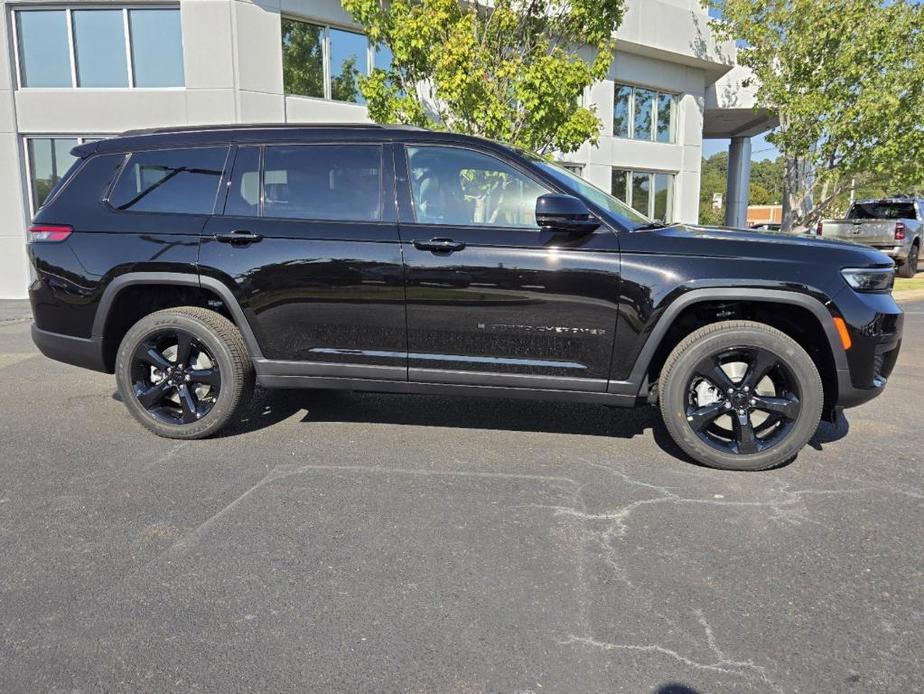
point(170, 180)
point(323, 182)
point(882, 210)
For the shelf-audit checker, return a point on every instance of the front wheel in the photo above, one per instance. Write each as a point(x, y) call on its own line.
point(183, 372)
point(740, 395)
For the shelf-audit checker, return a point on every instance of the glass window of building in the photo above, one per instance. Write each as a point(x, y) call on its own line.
point(44, 53)
point(157, 48)
point(91, 48)
point(648, 192)
point(99, 48)
point(49, 159)
point(326, 62)
point(644, 114)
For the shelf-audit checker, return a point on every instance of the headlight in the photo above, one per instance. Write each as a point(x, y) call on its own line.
point(870, 279)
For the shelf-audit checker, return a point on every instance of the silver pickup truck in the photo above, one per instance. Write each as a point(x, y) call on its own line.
point(892, 225)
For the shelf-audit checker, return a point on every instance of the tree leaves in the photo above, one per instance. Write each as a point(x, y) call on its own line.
point(514, 71)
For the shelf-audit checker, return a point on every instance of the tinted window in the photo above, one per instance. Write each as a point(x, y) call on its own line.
point(244, 191)
point(323, 182)
point(882, 210)
point(99, 46)
point(458, 186)
point(44, 58)
point(641, 185)
point(172, 180)
point(157, 48)
point(619, 184)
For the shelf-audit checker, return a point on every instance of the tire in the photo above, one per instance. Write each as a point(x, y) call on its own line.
point(909, 268)
point(781, 402)
point(193, 399)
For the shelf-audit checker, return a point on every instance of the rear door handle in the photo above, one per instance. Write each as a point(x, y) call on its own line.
point(439, 245)
point(239, 236)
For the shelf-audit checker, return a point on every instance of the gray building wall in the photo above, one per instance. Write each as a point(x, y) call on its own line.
point(233, 74)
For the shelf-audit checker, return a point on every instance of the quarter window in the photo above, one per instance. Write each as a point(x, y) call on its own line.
point(324, 182)
point(326, 62)
point(99, 48)
point(171, 180)
point(649, 193)
point(644, 114)
point(454, 186)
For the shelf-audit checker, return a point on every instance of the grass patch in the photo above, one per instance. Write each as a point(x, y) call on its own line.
point(903, 284)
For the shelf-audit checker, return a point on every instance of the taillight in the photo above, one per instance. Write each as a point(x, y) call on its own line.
point(818, 228)
point(44, 233)
point(899, 231)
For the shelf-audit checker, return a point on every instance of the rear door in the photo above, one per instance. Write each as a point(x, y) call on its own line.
point(308, 243)
point(492, 298)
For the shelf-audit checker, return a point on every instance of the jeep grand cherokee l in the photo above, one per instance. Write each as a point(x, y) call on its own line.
point(195, 262)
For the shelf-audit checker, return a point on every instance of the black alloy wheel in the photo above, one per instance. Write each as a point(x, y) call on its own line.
point(740, 395)
point(183, 372)
point(175, 378)
point(746, 415)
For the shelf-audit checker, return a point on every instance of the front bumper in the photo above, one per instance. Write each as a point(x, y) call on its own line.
point(874, 322)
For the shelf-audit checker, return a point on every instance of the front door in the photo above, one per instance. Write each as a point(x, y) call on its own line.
point(492, 299)
point(308, 243)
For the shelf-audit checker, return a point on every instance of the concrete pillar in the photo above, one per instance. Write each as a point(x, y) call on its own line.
point(739, 179)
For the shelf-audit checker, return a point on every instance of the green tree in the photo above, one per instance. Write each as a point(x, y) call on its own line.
point(846, 78)
point(507, 70)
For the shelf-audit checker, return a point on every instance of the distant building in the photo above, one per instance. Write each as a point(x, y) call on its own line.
point(763, 214)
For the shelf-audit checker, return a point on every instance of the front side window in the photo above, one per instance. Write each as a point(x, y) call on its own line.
point(326, 62)
point(100, 48)
point(323, 182)
point(455, 186)
point(181, 181)
point(644, 114)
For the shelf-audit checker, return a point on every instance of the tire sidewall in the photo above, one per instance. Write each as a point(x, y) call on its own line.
point(673, 398)
point(228, 394)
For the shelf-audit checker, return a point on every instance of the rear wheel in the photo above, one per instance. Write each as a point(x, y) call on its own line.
point(183, 372)
point(740, 395)
point(910, 267)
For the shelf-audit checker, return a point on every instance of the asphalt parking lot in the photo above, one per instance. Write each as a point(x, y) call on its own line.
point(385, 543)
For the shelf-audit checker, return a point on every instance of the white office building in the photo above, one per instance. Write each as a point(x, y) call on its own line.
point(83, 70)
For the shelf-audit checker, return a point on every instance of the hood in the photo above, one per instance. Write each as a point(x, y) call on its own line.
point(727, 242)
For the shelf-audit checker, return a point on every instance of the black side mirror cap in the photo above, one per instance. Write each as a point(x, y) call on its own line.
point(559, 212)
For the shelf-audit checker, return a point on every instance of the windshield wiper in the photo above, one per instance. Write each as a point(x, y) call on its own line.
point(650, 225)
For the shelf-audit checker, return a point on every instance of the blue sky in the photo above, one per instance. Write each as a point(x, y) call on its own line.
point(760, 148)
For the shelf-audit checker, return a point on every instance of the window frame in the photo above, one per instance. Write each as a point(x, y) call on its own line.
point(68, 10)
point(228, 179)
point(128, 157)
point(325, 28)
point(652, 190)
point(409, 190)
point(655, 113)
point(81, 139)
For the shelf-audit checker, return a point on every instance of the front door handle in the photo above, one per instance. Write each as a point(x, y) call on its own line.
point(239, 236)
point(439, 245)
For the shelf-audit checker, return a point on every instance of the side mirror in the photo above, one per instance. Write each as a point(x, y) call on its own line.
point(564, 213)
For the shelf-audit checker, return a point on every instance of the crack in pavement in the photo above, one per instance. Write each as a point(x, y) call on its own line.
point(746, 669)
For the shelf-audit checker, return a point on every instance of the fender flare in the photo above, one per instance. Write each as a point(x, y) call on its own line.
point(181, 279)
point(653, 341)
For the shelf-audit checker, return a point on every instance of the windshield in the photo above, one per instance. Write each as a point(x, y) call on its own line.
point(624, 214)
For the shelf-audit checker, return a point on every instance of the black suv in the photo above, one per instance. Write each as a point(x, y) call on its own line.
point(194, 262)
